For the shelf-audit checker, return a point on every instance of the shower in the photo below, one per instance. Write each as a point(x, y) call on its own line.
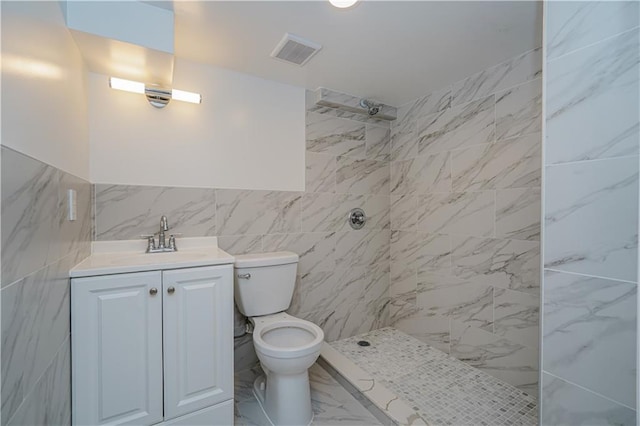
point(371, 107)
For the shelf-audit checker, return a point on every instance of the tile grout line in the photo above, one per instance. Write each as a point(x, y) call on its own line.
point(587, 390)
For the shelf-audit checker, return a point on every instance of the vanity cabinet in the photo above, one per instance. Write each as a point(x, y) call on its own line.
point(153, 347)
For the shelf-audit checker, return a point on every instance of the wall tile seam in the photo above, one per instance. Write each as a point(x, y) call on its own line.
point(519, 136)
point(417, 119)
point(601, 277)
point(586, 389)
point(26, 395)
point(332, 112)
point(594, 160)
point(41, 269)
point(418, 194)
point(595, 43)
point(58, 169)
point(471, 75)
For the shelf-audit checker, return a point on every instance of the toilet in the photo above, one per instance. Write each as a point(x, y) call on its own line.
point(286, 346)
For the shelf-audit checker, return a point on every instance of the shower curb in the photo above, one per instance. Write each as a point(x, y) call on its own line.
point(387, 402)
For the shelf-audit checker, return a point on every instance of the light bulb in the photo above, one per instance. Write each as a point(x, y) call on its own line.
point(343, 4)
point(184, 96)
point(126, 85)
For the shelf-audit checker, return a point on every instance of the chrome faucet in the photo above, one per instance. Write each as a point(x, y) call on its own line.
point(162, 242)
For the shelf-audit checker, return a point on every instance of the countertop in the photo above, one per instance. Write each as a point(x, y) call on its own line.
point(118, 257)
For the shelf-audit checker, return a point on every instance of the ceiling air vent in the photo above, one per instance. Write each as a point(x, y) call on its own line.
point(295, 50)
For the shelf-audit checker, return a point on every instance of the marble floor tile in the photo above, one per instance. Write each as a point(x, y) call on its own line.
point(592, 106)
point(330, 402)
point(590, 323)
point(566, 404)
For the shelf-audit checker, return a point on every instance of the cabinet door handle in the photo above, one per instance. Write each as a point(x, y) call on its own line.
point(153, 291)
point(244, 276)
point(171, 290)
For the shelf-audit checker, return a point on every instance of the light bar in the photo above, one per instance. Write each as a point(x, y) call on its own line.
point(158, 97)
point(126, 85)
point(184, 96)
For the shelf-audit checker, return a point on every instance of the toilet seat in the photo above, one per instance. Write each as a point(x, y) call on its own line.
point(284, 336)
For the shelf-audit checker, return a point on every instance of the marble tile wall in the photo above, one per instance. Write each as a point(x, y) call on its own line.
point(590, 232)
point(465, 219)
point(39, 246)
point(343, 275)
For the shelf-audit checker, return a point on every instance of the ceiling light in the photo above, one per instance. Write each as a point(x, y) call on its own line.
point(157, 96)
point(343, 4)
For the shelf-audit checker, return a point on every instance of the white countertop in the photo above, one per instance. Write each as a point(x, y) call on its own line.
point(117, 257)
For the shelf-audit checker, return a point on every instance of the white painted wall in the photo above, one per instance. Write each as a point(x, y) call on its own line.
point(248, 133)
point(44, 109)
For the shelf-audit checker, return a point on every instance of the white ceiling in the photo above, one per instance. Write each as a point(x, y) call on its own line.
point(391, 51)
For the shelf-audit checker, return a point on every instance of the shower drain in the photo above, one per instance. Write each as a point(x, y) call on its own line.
point(363, 343)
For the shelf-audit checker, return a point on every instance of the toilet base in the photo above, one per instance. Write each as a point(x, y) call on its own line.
point(284, 399)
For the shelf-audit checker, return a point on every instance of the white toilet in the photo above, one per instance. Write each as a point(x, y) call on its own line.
point(286, 346)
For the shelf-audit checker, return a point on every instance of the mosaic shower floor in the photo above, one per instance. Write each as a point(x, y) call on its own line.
point(441, 389)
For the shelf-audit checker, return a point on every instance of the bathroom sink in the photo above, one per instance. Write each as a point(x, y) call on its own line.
point(116, 257)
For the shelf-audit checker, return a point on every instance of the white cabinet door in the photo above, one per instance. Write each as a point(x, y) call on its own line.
point(117, 349)
point(198, 338)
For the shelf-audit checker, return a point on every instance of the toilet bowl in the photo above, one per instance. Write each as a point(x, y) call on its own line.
point(286, 347)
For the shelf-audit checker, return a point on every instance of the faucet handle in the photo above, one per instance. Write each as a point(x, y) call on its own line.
point(172, 241)
point(151, 242)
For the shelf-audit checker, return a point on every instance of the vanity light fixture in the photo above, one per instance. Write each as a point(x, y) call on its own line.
point(343, 4)
point(157, 96)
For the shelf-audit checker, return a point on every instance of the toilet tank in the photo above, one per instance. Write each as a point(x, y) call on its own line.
point(264, 282)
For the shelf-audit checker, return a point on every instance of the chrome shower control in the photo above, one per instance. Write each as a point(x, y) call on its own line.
point(357, 218)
